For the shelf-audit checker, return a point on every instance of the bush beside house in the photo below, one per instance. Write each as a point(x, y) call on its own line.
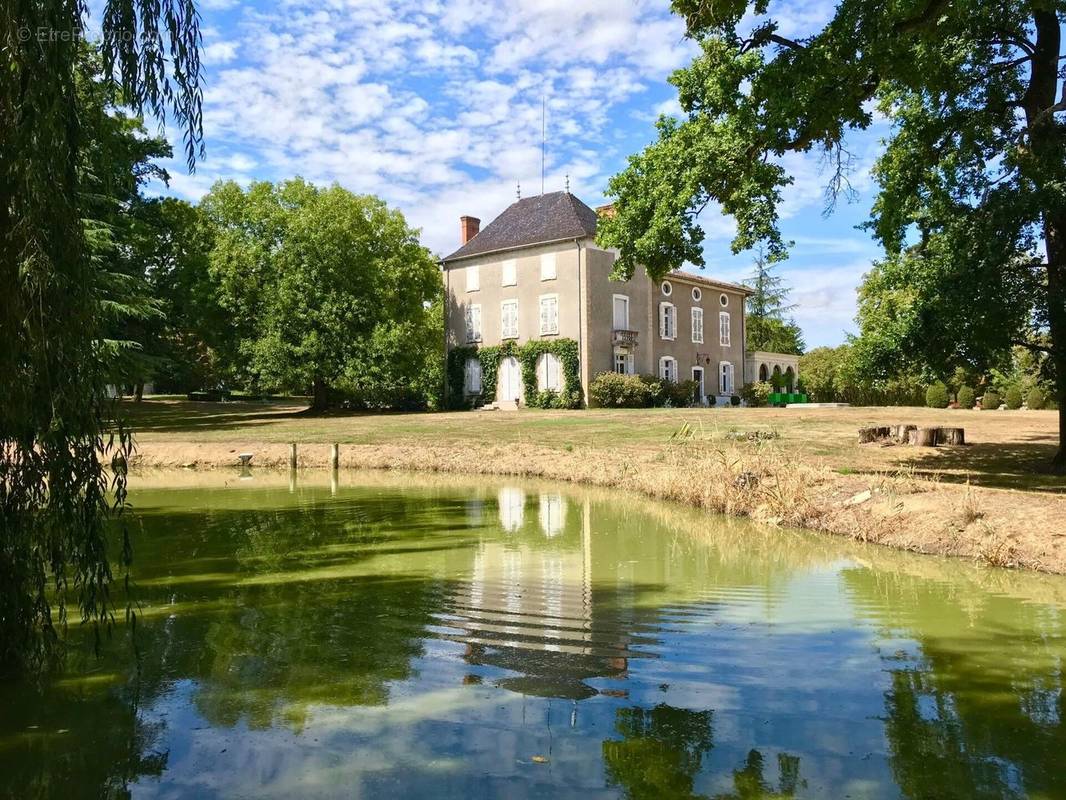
point(966, 397)
point(990, 402)
point(1013, 398)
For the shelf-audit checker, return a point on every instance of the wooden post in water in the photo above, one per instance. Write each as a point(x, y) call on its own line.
point(292, 456)
point(334, 456)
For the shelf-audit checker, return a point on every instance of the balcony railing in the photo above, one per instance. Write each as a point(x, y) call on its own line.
point(624, 338)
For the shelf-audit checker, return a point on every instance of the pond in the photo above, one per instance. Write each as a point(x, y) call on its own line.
point(411, 636)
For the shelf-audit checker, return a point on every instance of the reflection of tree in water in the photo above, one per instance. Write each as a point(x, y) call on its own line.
point(662, 750)
point(304, 637)
point(93, 744)
point(749, 782)
point(976, 715)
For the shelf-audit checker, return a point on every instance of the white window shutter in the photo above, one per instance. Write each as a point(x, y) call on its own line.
point(547, 267)
point(723, 328)
point(510, 272)
point(473, 279)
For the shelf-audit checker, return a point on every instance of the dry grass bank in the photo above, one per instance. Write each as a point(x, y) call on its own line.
point(881, 495)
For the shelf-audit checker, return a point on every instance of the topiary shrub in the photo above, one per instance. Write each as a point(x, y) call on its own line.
point(1036, 399)
point(614, 390)
point(990, 402)
point(1013, 398)
point(711, 400)
point(756, 394)
point(936, 396)
point(966, 397)
point(734, 400)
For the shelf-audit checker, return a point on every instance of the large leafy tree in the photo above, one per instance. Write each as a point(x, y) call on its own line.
point(55, 420)
point(323, 285)
point(971, 209)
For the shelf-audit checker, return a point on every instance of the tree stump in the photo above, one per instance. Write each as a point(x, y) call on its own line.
point(955, 436)
point(901, 433)
point(867, 435)
point(924, 437)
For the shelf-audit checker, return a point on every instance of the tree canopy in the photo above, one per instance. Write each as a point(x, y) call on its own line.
point(322, 285)
point(970, 201)
point(766, 325)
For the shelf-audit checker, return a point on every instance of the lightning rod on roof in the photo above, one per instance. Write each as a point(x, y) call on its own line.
point(518, 189)
point(568, 183)
point(543, 140)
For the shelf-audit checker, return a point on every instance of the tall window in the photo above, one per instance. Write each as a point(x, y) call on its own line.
point(510, 272)
point(725, 378)
point(473, 323)
point(697, 325)
point(549, 314)
point(547, 267)
point(667, 321)
point(549, 373)
point(621, 312)
point(723, 328)
point(509, 319)
point(473, 279)
point(668, 368)
point(623, 362)
point(472, 376)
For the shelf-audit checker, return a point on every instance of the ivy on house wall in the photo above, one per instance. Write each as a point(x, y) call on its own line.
point(456, 375)
point(527, 355)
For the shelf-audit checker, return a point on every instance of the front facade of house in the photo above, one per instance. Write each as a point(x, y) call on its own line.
point(535, 273)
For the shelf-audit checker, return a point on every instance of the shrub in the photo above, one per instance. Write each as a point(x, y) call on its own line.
point(680, 394)
point(966, 397)
point(711, 400)
point(656, 392)
point(613, 390)
point(734, 400)
point(756, 394)
point(936, 396)
point(1014, 398)
point(1036, 399)
point(990, 402)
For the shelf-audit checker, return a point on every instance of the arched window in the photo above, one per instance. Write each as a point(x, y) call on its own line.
point(472, 376)
point(549, 373)
point(790, 379)
point(764, 373)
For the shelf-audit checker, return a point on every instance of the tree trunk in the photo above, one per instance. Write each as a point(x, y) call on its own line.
point(1049, 147)
point(138, 392)
point(320, 395)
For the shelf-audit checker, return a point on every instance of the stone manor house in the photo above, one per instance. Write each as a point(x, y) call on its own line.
point(535, 272)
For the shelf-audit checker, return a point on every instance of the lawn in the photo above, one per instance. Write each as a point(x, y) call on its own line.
point(1007, 449)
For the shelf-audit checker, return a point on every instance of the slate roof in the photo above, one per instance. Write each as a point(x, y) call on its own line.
point(553, 217)
point(532, 220)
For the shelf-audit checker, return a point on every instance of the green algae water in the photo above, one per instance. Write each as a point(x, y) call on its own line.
point(405, 636)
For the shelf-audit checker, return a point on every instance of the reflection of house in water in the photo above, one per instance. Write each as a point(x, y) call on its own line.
point(530, 608)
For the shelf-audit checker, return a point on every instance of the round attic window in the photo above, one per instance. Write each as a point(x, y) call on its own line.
point(667, 288)
point(697, 295)
point(724, 300)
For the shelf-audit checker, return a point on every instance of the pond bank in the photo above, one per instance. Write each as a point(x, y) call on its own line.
point(758, 480)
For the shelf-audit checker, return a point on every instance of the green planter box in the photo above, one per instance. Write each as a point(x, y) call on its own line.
point(784, 398)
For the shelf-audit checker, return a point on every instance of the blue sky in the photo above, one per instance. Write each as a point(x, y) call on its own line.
point(436, 107)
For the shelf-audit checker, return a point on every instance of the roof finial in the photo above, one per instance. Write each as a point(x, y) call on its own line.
point(568, 183)
point(519, 189)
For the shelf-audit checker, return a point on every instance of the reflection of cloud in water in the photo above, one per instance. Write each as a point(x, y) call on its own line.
point(512, 503)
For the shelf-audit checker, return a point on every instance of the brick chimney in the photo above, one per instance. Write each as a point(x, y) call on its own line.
point(468, 228)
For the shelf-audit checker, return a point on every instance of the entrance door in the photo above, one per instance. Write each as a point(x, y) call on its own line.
point(510, 383)
point(697, 375)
